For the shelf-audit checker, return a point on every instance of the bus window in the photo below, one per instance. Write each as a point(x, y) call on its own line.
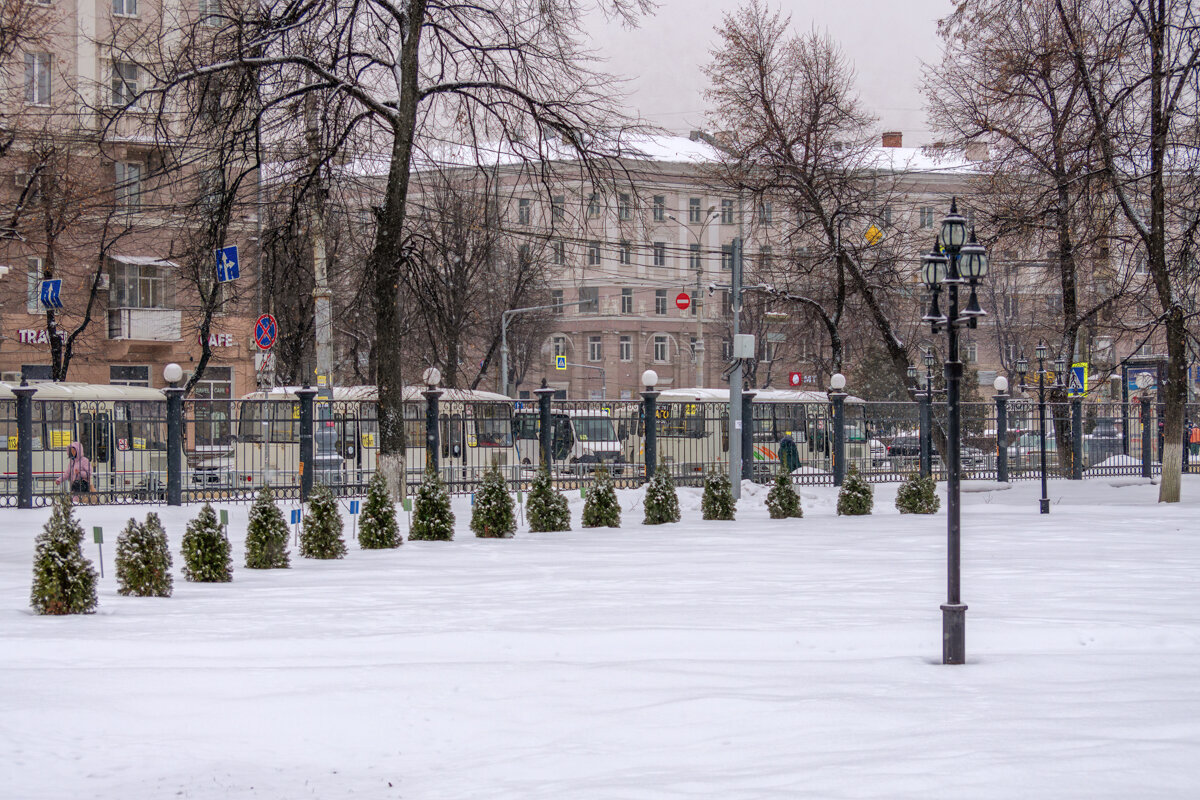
point(493, 425)
point(764, 422)
point(94, 428)
point(8, 425)
point(213, 424)
point(250, 421)
point(285, 422)
point(414, 425)
point(141, 425)
point(55, 418)
point(680, 420)
point(526, 426)
point(456, 435)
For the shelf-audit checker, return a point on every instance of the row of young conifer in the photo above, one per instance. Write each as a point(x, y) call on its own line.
point(64, 580)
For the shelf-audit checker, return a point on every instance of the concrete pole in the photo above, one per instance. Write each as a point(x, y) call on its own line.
point(735, 380)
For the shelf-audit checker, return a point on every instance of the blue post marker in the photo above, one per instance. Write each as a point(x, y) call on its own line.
point(98, 536)
point(354, 506)
point(295, 526)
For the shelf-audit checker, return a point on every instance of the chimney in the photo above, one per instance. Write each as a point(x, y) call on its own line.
point(977, 151)
point(893, 139)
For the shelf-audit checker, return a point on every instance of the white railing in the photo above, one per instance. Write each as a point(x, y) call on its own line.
point(144, 324)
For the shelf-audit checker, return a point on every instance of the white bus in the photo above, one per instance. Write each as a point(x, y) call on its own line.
point(581, 439)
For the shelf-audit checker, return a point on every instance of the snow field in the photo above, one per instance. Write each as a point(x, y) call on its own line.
point(755, 659)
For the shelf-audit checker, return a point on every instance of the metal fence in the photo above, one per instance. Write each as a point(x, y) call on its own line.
point(230, 448)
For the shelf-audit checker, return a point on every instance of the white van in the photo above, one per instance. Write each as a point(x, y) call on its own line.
point(580, 440)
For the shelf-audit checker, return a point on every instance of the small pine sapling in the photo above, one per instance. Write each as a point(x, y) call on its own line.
point(783, 501)
point(601, 509)
point(267, 534)
point(662, 502)
point(546, 507)
point(918, 495)
point(321, 533)
point(432, 519)
point(717, 501)
point(144, 559)
point(64, 581)
point(206, 556)
point(494, 515)
point(377, 528)
point(856, 496)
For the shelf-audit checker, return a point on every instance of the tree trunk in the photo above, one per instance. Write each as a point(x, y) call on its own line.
point(1175, 391)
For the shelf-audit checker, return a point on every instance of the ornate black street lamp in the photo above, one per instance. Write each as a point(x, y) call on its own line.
point(923, 388)
point(1060, 367)
point(952, 261)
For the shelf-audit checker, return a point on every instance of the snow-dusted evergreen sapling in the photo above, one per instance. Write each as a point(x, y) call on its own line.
point(267, 534)
point(144, 559)
point(432, 519)
point(321, 533)
point(547, 508)
point(377, 528)
point(64, 581)
point(857, 496)
point(782, 500)
point(717, 501)
point(662, 503)
point(206, 556)
point(494, 515)
point(601, 509)
point(918, 495)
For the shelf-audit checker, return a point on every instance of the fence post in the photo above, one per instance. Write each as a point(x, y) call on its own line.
point(925, 431)
point(1002, 438)
point(174, 445)
point(544, 395)
point(24, 394)
point(1146, 457)
point(432, 439)
point(306, 396)
point(1076, 438)
point(748, 435)
point(650, 410)
point(839, 436)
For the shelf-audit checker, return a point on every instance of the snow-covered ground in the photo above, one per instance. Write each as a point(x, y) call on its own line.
point(756, 659)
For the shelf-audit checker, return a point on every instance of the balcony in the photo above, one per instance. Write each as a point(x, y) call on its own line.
point(144, 324)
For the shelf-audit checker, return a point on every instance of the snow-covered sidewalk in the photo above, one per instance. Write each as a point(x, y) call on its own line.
point(755, 659)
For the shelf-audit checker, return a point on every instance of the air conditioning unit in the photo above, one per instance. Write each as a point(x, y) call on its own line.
point(102, 284)
point(10, 377)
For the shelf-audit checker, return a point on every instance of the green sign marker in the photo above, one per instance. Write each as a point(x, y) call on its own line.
point(98, 534)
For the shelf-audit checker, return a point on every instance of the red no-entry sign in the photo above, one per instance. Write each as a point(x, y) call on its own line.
point(795, 378)
point(682, 301)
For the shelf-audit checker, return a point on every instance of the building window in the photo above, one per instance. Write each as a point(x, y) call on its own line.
point(134, 375)
point(764, 256)
point(660, 254)
point(125, 8)
point(139, 286)
point(660, 348)
point(726, 301)
point(124, 83)
point(37, 78)
point(626, 252)
point(593, 208)
point(694, 257)
point(1146, 350)
point(595, 348)
point(970, 352)
point(558, 208)
point(726, 212)
point(523, 206)
point(627, 301)
point(1054, 304)
point(886, 216)
point(1011, 353)
point(625, 348)
point(624, 207)
point(210, 11)
point(926, 216)
point(560, 345)
point(1010, 306)
point(129, 186)
point(559, 252)
point(694, 209)
point(660, 207)
point(692, 346)
point(766, 213)
point(660, 301)
point(1141, 266)
point(33, 286)
point(727, 256)
point(589, 299)
point(556, 300)
point(593, 253)
point(726, 348)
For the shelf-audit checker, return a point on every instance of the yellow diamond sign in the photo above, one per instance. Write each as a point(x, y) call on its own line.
point(873, 235)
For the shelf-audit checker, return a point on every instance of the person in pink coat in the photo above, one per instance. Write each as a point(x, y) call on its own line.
point(78, 473)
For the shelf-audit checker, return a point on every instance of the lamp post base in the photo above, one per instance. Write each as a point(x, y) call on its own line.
point(954, 633)
point(1045, 505)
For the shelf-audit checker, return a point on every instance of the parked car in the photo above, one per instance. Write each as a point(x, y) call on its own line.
point(878, 451)
point(904, 452)
point(1104, 442)
point(1025, 452)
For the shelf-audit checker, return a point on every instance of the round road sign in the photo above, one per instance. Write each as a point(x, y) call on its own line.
point(682, 301)
point(266, 330)
point(795, 378)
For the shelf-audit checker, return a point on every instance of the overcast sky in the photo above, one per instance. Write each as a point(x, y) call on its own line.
point(885, 40)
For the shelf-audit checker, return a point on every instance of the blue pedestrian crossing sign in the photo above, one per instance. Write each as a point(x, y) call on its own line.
point(227, 264)
point(1077, 380)
point(560, 362)
point(50, 293)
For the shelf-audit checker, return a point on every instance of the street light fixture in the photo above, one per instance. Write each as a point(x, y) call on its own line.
point(953, 260)
point(1060, 367)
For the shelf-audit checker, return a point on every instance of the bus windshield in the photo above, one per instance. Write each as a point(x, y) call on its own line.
point(594, 429)
point(493, 425)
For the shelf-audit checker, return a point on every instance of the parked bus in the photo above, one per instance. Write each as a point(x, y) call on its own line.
point(122, 430)
point(581, 439)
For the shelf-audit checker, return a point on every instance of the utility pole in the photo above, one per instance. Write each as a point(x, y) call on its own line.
point(322, 297)
point(735, 378)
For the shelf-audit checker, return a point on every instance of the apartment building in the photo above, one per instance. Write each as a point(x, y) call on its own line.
point(97, 206)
